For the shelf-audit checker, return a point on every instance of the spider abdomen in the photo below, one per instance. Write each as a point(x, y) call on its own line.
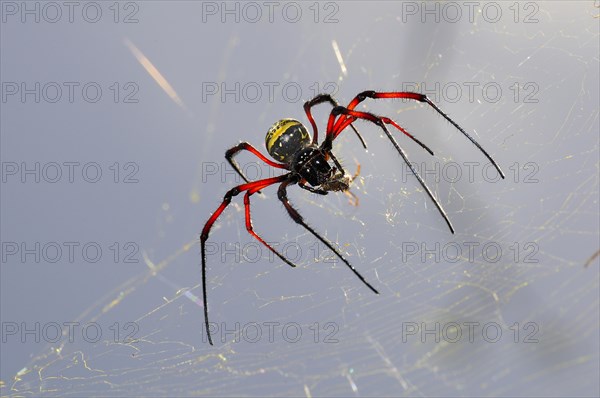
point(285, 138)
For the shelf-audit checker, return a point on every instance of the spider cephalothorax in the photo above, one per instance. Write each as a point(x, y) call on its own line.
point(311, 164)
point(307, 163)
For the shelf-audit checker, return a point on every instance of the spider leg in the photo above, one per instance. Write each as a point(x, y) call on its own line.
point(282, 195)
point(421, 98)
point(334, 128)
point(311, 189)
point(387, 120)
point(319, 99)
point(254, 234)
point(336, 162)
point(378, 121)
point(256, 185)
point(244, 146)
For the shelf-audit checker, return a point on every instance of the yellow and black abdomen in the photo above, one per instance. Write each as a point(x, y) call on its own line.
point(285, 138)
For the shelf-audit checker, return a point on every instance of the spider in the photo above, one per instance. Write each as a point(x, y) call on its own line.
point(308, 165)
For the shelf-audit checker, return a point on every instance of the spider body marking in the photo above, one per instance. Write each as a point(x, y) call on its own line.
point(307, 162)
point(285, 138)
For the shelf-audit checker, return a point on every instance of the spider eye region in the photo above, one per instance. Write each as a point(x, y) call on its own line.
point(285, 138)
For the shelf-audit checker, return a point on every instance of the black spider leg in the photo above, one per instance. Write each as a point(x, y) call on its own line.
point(282, 195)
point(319, 99)
point(250, 229)
point(378, 121)
point(244, 146)
point(452, 122)
point(422, 98)
point(207, 227)
point(337, 163)
point(311, 189)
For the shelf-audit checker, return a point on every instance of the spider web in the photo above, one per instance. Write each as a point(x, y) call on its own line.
point(541, 292)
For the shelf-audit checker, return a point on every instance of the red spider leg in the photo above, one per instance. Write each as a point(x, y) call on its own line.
point(342, 124)
point(329, 137)
point(244, 146)
point(282, 195)
point(378, 121)
point(421, 98)
point(319, 99)
point(251, 230)
point(207, 227)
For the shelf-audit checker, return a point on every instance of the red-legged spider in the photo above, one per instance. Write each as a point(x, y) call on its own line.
point(289, 142)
